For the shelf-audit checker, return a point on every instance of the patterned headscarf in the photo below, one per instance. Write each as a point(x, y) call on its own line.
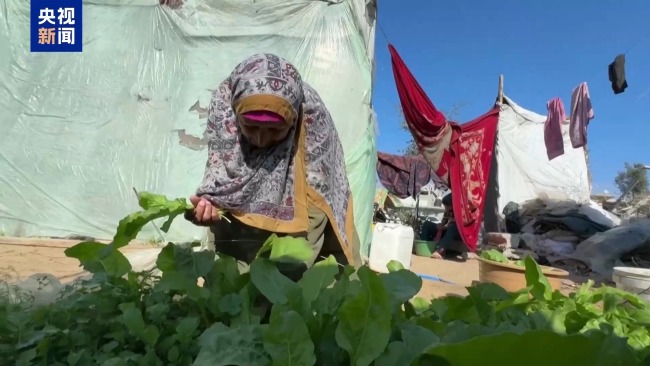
point(270, 188)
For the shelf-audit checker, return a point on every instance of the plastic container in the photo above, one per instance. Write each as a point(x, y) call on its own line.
point(513, 278)
point(424, 248)
point(633, 280)
point(390, 242)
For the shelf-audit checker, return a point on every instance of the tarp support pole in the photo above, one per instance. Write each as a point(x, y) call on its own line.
point(500, 95)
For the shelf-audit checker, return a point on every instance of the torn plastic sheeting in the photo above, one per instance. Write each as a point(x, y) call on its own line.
point(81, 130)
point(602, 252)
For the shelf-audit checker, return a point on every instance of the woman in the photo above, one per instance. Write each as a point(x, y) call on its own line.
point(275, 163)
point(451, 244)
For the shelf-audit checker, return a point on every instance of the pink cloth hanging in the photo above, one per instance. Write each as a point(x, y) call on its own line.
point(553, 128)
point(581, 114)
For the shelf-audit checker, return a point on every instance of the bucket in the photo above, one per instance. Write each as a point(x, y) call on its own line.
point(633, 280)
point(424, 248)
point(513, 278)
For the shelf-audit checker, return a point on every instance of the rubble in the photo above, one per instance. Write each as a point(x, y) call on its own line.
point(583, 239)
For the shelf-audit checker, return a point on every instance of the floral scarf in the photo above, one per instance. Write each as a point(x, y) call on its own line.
point(261, 186)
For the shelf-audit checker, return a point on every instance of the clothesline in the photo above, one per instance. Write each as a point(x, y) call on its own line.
point(635, 45)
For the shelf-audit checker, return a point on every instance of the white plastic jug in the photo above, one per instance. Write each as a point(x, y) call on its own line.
point(390, 242)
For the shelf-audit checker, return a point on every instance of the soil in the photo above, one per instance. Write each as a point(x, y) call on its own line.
point(23, 257)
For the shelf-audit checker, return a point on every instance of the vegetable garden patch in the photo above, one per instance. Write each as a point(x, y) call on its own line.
point(331, 316)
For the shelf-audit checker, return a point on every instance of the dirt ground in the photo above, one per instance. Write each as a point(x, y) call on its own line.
point(25, 257)
point(460, 274)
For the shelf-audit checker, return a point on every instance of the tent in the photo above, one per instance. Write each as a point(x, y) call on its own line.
point(81, 130)
point(523, 169)
point(494, 159)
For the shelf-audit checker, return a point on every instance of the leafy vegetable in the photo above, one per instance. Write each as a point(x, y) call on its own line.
point(331, 316)
point(496, 256)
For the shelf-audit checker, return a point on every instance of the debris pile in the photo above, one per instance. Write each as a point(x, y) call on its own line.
point(582, 238)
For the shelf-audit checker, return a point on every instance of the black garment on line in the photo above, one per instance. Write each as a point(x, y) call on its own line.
point(617, 74)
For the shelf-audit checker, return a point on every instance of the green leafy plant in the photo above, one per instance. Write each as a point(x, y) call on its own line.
point(496, 256)
point(198, 308)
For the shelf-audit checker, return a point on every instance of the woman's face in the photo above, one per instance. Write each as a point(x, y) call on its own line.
point(263, 134)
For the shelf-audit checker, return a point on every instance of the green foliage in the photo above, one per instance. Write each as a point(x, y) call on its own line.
point(331, 316)
point(634, 178)
point(496, 256)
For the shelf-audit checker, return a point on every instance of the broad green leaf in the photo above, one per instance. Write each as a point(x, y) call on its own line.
point(495, 256)
point(290, 249)
point(456, 308)
point(600, 293)
point(456, 331)
point(394, 266)
point(420, 305)
point(330, 299)
point(115, 361)
point(537, 348)
point(393, 355)
point(155, 206)
point(318, 277)
point(74, 357)
point(555, 318)
point(238, 346)
point(246, 316)
point(230, 304)
point(402, 285)
point(148, 200)
point(415, 341)
point(186, 327)
point(270, 282)
point(540, 287)
point(132, 318)
point(26, 357)
point(225, 277)
point(365, 320)
point(286, 249)
point(268, 244)
point(181, 268)
point(100, 258)
point(287, 340)
point(194, 263)
point(327, 351)
point(173, 353)
point(483, 295)
point(166, 260)
point(488, 292)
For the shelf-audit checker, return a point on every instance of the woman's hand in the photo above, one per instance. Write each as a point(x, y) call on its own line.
point(205, 213)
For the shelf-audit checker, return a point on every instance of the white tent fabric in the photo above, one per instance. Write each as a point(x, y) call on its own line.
point(524, 171)
point(81, 130)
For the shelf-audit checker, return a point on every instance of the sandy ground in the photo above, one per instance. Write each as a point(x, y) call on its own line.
point(25, 257)
point(460, 274)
